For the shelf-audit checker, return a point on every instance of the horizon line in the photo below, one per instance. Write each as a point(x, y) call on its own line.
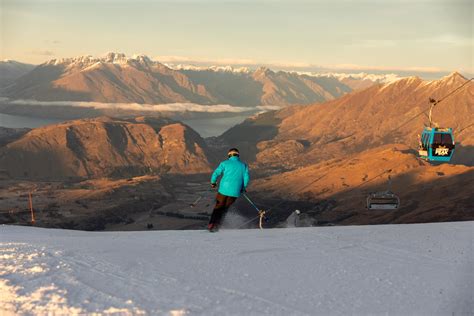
point(289, 66)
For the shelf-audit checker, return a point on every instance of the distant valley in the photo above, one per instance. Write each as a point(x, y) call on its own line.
point(120, 86)
point(127, 170)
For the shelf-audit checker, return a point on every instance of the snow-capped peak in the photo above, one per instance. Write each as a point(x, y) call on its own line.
point(111, 57)
point(141, 58)
point(230, 69)
point(208, 68)
point(379, 78)
point(404, 81)
point(262, 71)
point(86, 59)
point(453, 77)
point(116, 58)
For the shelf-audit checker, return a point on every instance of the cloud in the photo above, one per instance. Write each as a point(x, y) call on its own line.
point(52, 42)
point(385, 68)
point(451, 39)
point(199, 60)
point(455, 40)
point(42, 53)
point(229, 62)
point(299, 66)
point(375, 43)
point(169, 107)
point(289, 64)
point(269, 107)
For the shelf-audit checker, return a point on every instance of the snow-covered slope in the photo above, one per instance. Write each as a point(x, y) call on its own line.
point(397, 269)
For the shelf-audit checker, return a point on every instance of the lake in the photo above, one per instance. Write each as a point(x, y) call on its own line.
point(17, 121)
point(207, 127)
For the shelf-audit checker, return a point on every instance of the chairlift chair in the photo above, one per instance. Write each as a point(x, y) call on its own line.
point(383, 200)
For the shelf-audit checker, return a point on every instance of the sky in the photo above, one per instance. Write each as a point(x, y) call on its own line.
point(387, 36)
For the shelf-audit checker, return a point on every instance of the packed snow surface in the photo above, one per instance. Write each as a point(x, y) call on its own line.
point(394, 269)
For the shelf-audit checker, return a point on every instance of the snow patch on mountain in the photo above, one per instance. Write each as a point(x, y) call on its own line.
point(378, 78)
point(244, 70)
point(407, 81)
point(113, 58)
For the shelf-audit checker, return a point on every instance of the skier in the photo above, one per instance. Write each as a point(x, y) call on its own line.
point(234, 181)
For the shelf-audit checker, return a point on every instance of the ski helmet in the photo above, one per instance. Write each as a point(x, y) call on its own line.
point(233, 152)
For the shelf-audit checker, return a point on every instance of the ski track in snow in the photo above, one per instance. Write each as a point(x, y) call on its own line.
point(392, 269)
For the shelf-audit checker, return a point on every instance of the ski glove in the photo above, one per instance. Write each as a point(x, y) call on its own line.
point(213, 185)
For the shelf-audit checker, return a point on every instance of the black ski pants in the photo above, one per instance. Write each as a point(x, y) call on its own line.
point(223, 202)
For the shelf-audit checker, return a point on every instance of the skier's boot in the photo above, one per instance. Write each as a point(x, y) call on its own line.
point(213, 228)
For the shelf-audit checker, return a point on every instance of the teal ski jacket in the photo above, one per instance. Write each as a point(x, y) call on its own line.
point(235, 176)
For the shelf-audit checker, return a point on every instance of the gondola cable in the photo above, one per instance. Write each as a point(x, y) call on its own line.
point(464, 128)
point(428, 108)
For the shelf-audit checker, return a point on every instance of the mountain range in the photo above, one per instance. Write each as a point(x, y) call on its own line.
point(353, 143)
point(364, 119)
point(287, 139)
point(116, 78)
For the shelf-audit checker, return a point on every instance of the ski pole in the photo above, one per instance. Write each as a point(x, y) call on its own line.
point(196, 202)
point(261, 213)
point(250, 201)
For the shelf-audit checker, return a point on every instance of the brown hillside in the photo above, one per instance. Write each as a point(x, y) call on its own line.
point(281, 88)
point(359, 121)
point(427, 192)
point(105, 147)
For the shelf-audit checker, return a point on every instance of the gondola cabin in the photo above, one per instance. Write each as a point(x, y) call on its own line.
point(436, 144)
